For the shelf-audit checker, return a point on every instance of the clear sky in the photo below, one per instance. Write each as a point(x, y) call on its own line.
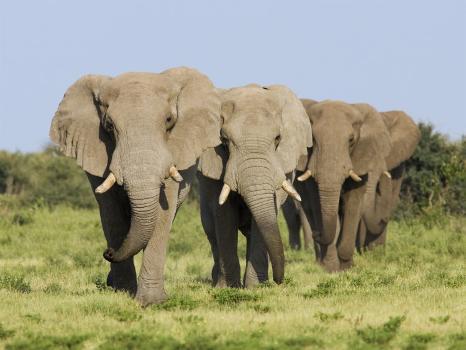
point(393, 54)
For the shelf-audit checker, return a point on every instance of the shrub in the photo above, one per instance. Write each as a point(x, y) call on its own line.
point(382, 334)
point(45, 342)
point(15, 283)
point(178, 302)
point(232, 296)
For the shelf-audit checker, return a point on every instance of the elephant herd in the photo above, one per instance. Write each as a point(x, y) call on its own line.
point(142, 138)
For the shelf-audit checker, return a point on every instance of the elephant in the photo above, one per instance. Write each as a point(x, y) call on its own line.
point(243, 182)
point(380, 204)
point(295, 219)
point(138, 137)
point(351, 143)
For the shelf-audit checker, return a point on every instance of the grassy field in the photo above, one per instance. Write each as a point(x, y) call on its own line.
point(53, 294)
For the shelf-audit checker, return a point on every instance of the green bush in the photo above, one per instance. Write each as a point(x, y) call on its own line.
point(44, 178)
point(435, 180)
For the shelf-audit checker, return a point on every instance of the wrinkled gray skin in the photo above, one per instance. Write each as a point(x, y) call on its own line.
point(380, 204)
point(346, 137)
point(136, 126)
point(265, 132)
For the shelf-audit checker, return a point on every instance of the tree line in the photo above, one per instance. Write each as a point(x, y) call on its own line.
point(435, 179)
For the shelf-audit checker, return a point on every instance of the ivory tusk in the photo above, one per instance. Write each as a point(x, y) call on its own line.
point(387, 174)
point(224, 194)
point(354, 176)
point(306, 175)
point(290, 190)
point(107, 184)
point(174, 174)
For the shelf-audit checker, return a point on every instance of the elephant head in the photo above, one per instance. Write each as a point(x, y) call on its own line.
point(265, 132)
point(350, 141)
point(137, 129)
point(404, 136)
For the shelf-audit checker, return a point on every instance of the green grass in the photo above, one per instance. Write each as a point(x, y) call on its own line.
point(412, 295)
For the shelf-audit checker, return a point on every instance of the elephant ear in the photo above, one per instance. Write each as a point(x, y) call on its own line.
point(373, 145)
point(308, 103)
point(296, 131)
point(213, 161)
point(198, 117)
point(404, 135)
point(77, 129)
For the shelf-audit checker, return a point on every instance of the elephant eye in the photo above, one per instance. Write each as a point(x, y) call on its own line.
point(169, 122)
point(224, 139)
point(108, 124)
point(277, 141)
point(351, 140)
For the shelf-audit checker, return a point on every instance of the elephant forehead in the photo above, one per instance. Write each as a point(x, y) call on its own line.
point(253, 96)
point(143, 82)
point(335, 112)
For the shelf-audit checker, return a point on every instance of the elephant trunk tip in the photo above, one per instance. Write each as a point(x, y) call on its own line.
point(109, 255)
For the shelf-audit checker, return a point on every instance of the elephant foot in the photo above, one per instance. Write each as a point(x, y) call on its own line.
point(150, 296)
point(122, 277)
point(120, 284)
point(346, 264)
point(330, 266)
point(253, 280)
point(222, 282)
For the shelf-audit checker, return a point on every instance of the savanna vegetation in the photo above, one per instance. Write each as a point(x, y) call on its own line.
point(410, 295)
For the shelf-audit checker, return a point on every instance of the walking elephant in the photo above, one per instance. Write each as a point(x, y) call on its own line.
point(244, 181)
point(380, 204)
point(351, 143)
point(143, 133)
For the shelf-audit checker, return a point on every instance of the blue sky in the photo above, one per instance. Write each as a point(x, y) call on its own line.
point(396, 54)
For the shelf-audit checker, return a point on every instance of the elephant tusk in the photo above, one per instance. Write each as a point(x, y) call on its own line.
point(306, 175)
point(354, 176)
point(290, 190)
point(174, 174)
point(387, 174)
point(107, 184)
point(224, 194)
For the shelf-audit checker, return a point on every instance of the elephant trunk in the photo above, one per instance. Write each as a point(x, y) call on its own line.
point(143, 213)
point(376, 212)
point(142, 180)
point(256, 186)
point(329, 202)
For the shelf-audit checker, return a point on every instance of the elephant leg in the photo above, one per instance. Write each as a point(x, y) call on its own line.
point(115, 216)
point(257, 261)
point(151, 289)
point(208, 223)
point(292, 219)
point(226, 229)
point(307, 230)
point(361, 237)
point(311, 208)
point(329, 254)
point(352, 212)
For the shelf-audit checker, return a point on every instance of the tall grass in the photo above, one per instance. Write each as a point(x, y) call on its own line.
point(410, 295)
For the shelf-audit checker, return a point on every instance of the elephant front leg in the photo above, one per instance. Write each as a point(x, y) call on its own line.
point(226, 229)
point(151, 288)
point(114, 211)
point(290, 212)
point(257, 261)
point(328, 253)
point(351, 217)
